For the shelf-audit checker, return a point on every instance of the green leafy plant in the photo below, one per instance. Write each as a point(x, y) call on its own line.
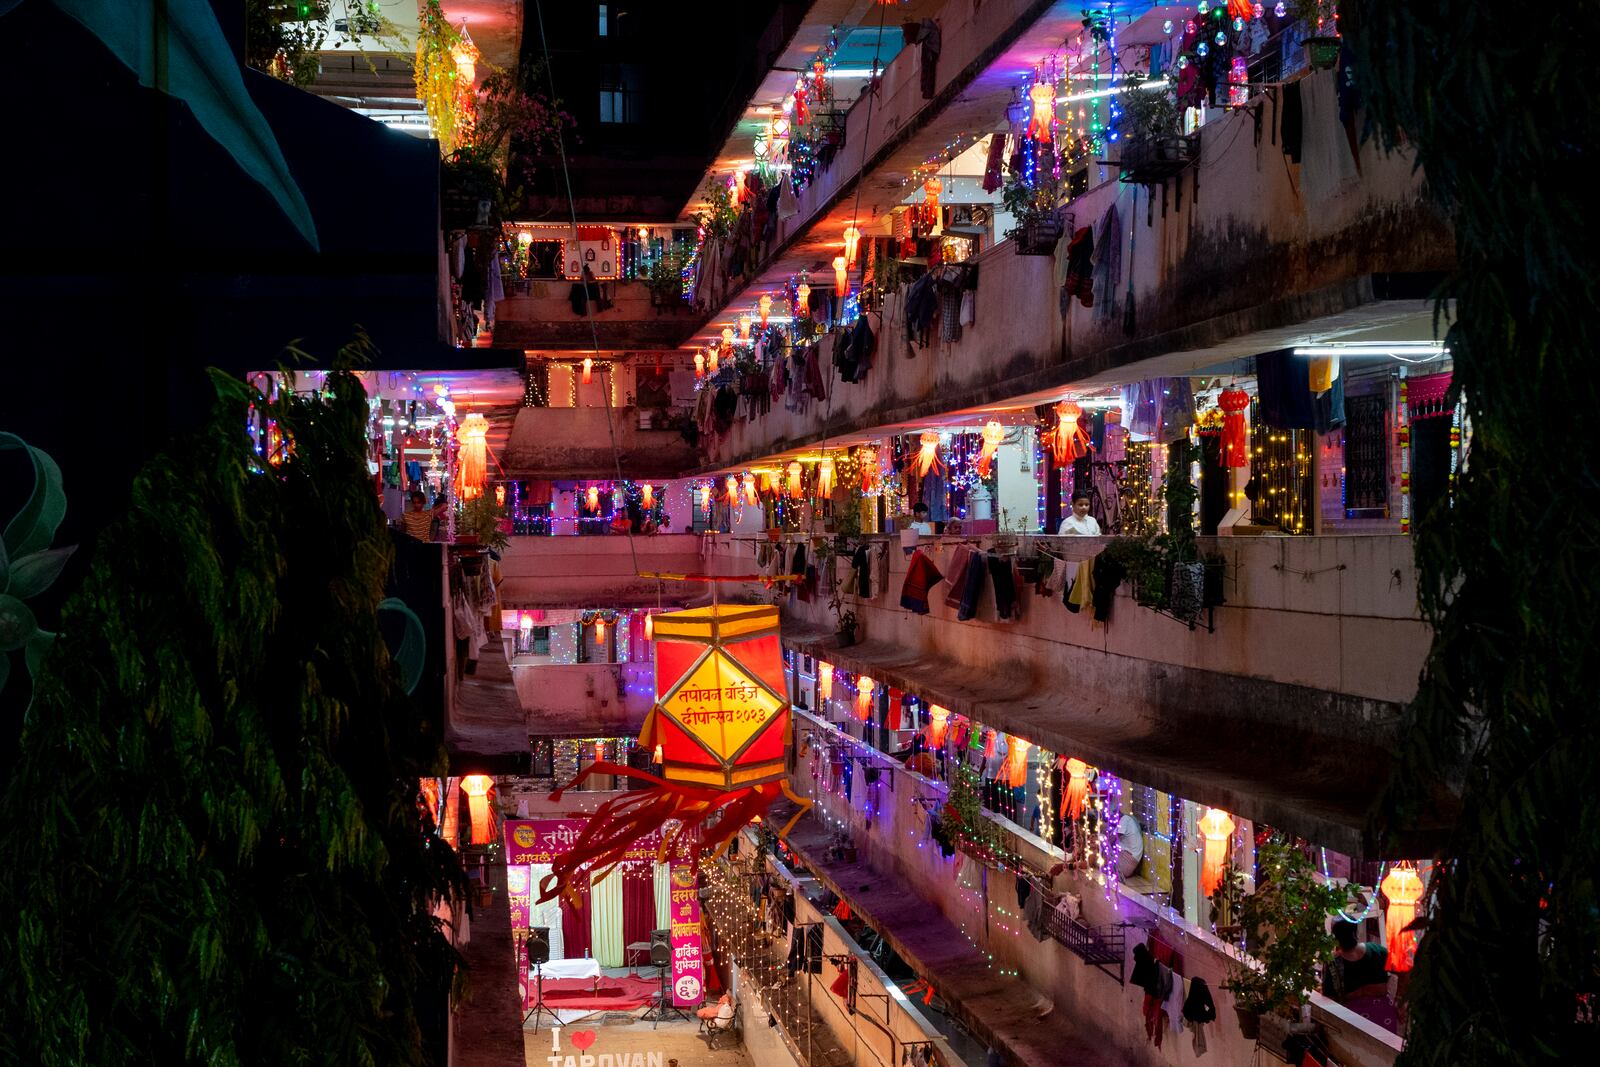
point(961, 820)
point(1030, 204)
point(1285, 929)
point(481, 519)
point(214, 810)
point(664, 276)
point(28, 565)
point(1147, 114)
point(283, 38)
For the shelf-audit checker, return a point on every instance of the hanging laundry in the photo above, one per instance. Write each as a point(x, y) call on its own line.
point(921, 576)
point(1080, 268)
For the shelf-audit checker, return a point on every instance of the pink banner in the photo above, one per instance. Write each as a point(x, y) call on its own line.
point(517, 895)
point(540, 841)
point(688, 967)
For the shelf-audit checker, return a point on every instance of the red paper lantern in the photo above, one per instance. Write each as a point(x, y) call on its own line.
point(588, 369)
point(1234, 403)
point(477, 787)
point(1403, 888)
point(864, 690)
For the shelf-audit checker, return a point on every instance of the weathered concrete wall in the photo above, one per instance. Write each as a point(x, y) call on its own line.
point(588, 699)
point(596, 572)
point(543, 318)
point(894, 840)
point(576, 443)
point(1258, 244)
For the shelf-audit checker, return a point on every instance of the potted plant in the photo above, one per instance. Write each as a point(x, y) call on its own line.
point(847, 628)
point(1285, 929)
point(481, 523)
point(664, 278)
point(1322, 48)
point(1036, 210)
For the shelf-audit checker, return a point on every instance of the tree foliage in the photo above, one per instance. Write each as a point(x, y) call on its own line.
point(1501, 117)
point(213, 846)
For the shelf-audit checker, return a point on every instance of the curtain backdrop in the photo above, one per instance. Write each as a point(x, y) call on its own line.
point(663, 897)
point(605, 927)
point(575, 922)
point(638, 911)
point(547, 914)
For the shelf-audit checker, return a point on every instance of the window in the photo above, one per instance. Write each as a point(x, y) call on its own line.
point(605, 20)
point(621, 93)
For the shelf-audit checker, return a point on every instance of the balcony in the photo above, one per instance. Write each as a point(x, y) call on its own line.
point(1241, 254)
point(559, 443)
point(596, 572)
point(1287, 713)
point(540, 314)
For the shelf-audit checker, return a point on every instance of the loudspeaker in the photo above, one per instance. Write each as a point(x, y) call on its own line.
point(660, 948)
point(539, 944)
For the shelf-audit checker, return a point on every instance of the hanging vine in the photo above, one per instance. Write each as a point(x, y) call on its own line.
point(1502, 126)
point(439, 78)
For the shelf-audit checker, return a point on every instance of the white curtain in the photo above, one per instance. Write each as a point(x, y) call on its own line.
point(546, 914)
point(605, 920)
point(663, 896)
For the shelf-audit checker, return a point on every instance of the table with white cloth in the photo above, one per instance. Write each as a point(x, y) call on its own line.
point(579, 968)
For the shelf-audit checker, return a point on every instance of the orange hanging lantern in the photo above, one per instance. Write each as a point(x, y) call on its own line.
point(993, 434)
point(841, 277)
point(647, 495)
point(1402, 887)
point(747, 489)
point(802, 299)
point(1068, 441)
point(864, 689)
point(720, 724)
point(825, 478)
point(699, 365)
point(928, 455)
point(744, 327)
point(473, 437)
point(591, 497)
point(796, 486)
point(1077, 790)
point(867, 461)
point(1014, 772)
point(767, 486)
point(727, 338)
point(1241, 9)
point(764, 306)
point(930, 197)
point(588, 370)
point(716, 362)
point(825, 680)
point(1216, 826)
point(852, 244)
point(1043, 95)
point(600, 630)
point(730, 486)
point(1234, 402)
point(499, 496)
point(477, 787)
point(938, 725)
point(649, 635)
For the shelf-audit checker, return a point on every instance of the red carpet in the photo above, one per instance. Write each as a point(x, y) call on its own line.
point(599, 994)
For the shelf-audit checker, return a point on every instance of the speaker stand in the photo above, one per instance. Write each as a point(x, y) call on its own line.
point(663, 1007)
point(539, 1010)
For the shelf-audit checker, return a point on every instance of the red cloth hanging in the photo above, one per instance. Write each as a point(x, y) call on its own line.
point(638, 907)
point(840, 986)
point(1235, 446)
point(575, 936)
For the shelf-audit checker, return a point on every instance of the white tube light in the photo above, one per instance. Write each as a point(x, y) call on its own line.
point(1096, 94)
point(1375, 349)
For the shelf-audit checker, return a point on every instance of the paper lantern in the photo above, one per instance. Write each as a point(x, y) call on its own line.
point(1234, 403)
point(767, 486)
point(1014, 771)
point(852, 243)
point(730, 486)
point(525, 622)
point(600, 631)
point(477, 787)
point(1403, 889)
point(1068, 441)
point(796, 486)
point(747, 488)
point(825, 476)
point(825, 680)
point(473, 437)
point(716, 362)
point(930, 196)
point(1077, 789)
point(720, 723)
point(1043, 95)
point(867, 461)
point(727, 337)
point(938, 725)
point(591, 498)
point(588, 370)
point(864, 690)
point(744, 327)
point(499, 496)
point(993, 434)
point(928, 454)
point(1216, 826)
point(764, 306)
point(649, 633)
point(464, 54)
point(841, 279)
point(699, 365)
point(802, 299)
point(1241, 9)
point(647, 495)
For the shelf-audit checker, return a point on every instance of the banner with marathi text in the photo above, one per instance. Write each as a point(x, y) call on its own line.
point(540, 841)
point(519, 897)
point(688, 966)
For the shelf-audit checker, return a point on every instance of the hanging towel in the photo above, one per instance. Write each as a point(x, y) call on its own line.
point(960, 560)
point(972, 588)
point(1005, 590)
point(921, 576)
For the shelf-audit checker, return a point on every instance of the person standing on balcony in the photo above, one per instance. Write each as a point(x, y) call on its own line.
point(1080, 522)
point(418, 522)
point(1357, 967)
point(919, 519)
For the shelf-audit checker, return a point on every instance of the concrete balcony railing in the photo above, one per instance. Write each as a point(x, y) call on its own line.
point(587, 699)
point(595, 572)
point(543, 317)
point(1256, 253)
point(1287, 713)
point(576, 443)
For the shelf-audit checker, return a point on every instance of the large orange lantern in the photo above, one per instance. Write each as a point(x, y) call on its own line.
point(938, 725)
point(727, 336)
point(650, 632)
point(744, 327)
point(647, 495)
point(473, 437)
point(852, 244)
point(477, 787)
point(591, 498)
point(796, 485)
point(825, 680)
point(825, 478)
point(764, 306)
point(841, 276)
point(721, 725)
point(715, 362)
point(928, 454)
point(993, 434)
point(1068, 441)
point(699, 365)
point(864, 690)
point(1216, 827)
point(1077, 790)
point(731, 485)
point(1403, 888)
point(588, 369)
point(747, 489)
point(930, 196)
point(802, 299)
point(1014, 772)
point(1043, 95)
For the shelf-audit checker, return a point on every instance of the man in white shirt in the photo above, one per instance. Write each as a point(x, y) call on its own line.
point(1080, 521)
point(919, 519)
